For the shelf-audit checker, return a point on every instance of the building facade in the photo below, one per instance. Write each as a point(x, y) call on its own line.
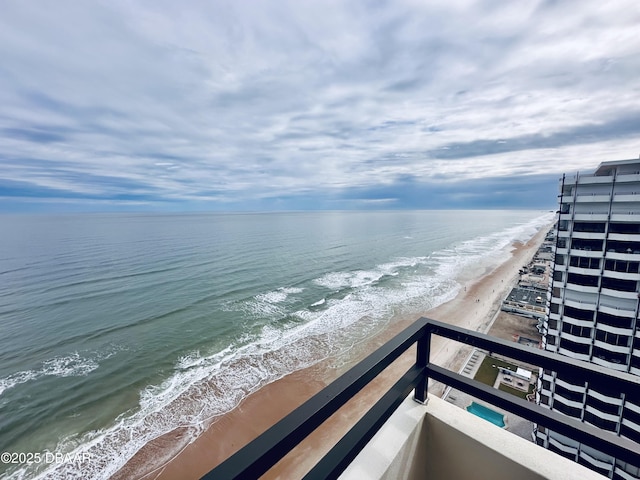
point(594, 300)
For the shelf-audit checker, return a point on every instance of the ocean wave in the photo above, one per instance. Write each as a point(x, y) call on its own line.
point(203, 387)
point(269, 304)
point(63, 366)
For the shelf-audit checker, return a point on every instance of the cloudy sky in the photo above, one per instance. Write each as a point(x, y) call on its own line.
point(288, 104)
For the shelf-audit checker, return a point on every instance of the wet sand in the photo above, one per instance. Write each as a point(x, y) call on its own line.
point(474, 308)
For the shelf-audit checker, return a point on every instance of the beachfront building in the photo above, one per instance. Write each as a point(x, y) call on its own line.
point(593, 308)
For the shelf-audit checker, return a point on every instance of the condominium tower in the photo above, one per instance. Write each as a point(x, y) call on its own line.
point(593, 310)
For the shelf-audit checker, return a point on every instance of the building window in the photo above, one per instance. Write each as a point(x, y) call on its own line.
point(630, 433)
point(613, 320)
point(600, 422)
point(587, 245)
point(574, 347)
point(623, 247)
point(622, 266)
point(575, 330)
point(603, 407)
point(618, 284)
point(596, 468)
point(585, 280)
point(562, 453)
point(629, 228)
point(611, 357)
point(567, 410)
point(591, 227)
point(628, 468)
point(578, 313)
point(584, 262)
point(569, 394)
point(632, 416)
point(612, 338)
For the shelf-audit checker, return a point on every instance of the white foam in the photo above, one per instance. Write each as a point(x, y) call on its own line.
point(339, 280)
point(63, 366)
point(268, 304)
point(319, 302)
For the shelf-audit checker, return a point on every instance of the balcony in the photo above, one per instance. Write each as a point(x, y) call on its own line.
point(619, 275)
point(591, 216)
point(619, 294)
point(575, 287)
point(630, 216)
point(429, 438)
point(590, 179)
point(625, 237)
point(616, 308)
point(592, 198)
point(631, 177)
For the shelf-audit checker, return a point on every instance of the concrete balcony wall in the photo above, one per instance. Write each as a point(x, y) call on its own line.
point(576, 339)
point(611, 348)
point(625, 237)
point(581, 288)
point(630, 257)
point(584, 271)
point(579, 323)
point(619, 294)
point(590, 216)
point(632, 177)
point(589, 235)
point(617, 330)
point(626, 197)
point(613, 366)
point(569, 386)
point(578, 356)
point(620, 311)
point(620, 275)
point(629, 216)
point(604, 398)
point(585, 179)
point(588, 253)
point(442, 441)
point(592, 198)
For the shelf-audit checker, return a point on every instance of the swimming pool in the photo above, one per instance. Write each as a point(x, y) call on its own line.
point(484, 412)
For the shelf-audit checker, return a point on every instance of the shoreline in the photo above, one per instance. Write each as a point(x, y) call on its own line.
point(474, 308)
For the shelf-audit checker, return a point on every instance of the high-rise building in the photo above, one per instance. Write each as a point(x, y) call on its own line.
point(593, 309)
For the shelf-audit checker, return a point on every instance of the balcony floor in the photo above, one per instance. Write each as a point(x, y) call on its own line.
point(441, 441)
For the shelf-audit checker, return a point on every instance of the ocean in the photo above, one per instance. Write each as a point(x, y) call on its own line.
point(118, 328)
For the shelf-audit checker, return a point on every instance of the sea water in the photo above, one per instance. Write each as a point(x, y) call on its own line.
point(118, 328)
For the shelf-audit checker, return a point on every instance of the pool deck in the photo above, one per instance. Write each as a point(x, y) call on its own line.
point(514, 424)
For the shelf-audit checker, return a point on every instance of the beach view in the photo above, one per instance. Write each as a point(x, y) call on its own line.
point(159, 342)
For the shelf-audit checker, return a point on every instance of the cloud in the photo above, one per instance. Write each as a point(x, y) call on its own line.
point(284, 104)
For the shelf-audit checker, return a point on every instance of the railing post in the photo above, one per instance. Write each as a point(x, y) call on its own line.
point(422, 360)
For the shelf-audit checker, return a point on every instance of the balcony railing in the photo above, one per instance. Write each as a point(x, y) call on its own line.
point(265, 451)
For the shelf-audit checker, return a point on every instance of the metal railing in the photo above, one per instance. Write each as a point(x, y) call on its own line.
point(261, 454)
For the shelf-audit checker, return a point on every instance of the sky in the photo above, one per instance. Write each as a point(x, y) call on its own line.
point(158, 105)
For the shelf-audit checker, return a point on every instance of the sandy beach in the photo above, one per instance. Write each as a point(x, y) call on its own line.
point(474, 308)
